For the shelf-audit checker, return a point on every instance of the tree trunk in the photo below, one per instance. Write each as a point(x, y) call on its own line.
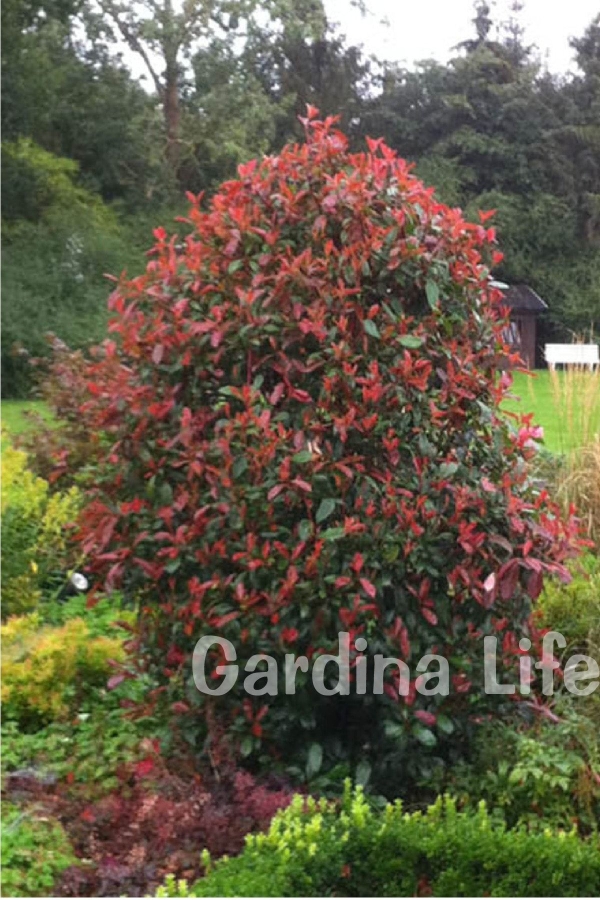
point(172, 114)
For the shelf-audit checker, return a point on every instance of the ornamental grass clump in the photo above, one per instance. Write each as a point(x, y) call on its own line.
point(302, 394)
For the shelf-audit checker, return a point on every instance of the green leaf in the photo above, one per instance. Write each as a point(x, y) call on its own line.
point(165, 494)
point(235, 266)
point(333, 534)
point(448, 469)
point(304, 529)
point(363, 773)
point(425, 736)
point(325, 509)
point(445, 724)
point(371, 328)
point(239, 466)
point(390, 312)
point(410, 341)
point(390, 554)
point(303, 456)
point(246, 746)
point(433, 293)
point(393, 729)
point(315, 758)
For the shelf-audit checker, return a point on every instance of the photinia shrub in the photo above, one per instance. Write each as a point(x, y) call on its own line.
point(303, 395)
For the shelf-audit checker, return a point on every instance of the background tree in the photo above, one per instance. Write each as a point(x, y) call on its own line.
point(226, 82)
point(59, 240)
point(165, 38)
point(493, 130)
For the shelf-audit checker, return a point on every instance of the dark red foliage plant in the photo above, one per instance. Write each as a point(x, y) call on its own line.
point(62, 449)
point(157, 823)
point(303, 395)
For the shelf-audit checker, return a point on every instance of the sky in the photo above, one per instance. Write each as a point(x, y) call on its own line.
point(422, 29)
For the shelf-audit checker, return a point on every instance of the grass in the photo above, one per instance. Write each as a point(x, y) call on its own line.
point(566, 404)
point(14, 418)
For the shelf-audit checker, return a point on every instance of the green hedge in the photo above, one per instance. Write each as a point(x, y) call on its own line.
point(317, 849)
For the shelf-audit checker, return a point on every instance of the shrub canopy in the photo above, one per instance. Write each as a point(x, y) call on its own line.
point(304, 398)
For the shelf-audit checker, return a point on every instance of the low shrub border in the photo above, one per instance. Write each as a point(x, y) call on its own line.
point(315, 848)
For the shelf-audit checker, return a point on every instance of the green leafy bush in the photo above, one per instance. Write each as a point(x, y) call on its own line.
point(315, 849)
point(35, 850)
point(574, 611)
point(88, 750)
point(542, 776)
point(100, 619)
point(59, 240)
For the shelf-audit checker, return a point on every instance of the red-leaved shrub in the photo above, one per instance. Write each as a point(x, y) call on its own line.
point(303, 394)
point(62, 449)
point(157, 823)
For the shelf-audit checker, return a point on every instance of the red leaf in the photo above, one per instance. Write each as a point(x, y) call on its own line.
point(144, 768)
point(277, 393)
point(508, 577)
point(369, 589)
point(303, 485)
point(357, 562)
point(486, 214)
point(343, 581)
point(289, 635)
point(425, 717)
point(223, 620)
point(535, 583)
point(157, 354)
point(429, 615)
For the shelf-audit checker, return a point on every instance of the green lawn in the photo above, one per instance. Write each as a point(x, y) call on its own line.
point(14, 419)
point(568, 411)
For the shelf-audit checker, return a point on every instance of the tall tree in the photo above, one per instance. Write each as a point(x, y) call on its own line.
point(491, 130)
point(585, 128)
point(77, 102)
point(165, 37)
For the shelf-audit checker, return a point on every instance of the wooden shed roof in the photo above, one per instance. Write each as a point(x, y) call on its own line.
point(522, 298)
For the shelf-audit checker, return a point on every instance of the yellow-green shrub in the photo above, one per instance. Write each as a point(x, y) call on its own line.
point(48, 672)
point(348, 849)
point(34, 532)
